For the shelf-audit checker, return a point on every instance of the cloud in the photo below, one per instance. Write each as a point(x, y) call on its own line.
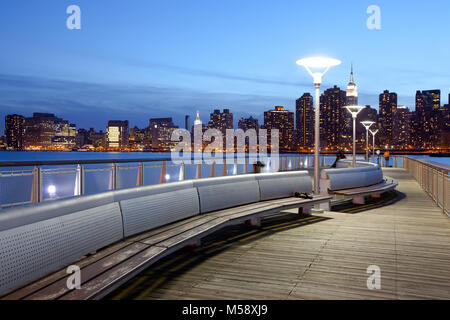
point(93, 104)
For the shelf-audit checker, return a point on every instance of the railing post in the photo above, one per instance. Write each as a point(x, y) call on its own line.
point(114, 176)
point(140, 178)
point(224, 168)
point(79, 181)
point(395, 162)
point(162, 177)
point(212, 170)
point(245, 165)
point(182, 172)
point(36, 189)
point(40, 186)
point(323, 161)
point(198, 171)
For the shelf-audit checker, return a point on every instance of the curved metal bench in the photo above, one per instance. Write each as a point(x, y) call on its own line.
point(345, 183)
point(136, 227)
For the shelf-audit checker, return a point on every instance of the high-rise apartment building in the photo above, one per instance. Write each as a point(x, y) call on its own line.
point(304, 111)
point(248, 123)
point(426, 120)
point(402, 128)
point(161, 131)
point(283, 120)
point(221, 121)
point(117, 134)
point(388, 107)
point(335, 129)
point(15, 131)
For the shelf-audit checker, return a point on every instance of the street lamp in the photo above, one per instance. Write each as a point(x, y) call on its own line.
point(354, 110)
point(367, 125)
point(324, 64)
point(374, 132)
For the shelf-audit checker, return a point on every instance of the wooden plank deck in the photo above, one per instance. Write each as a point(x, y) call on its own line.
point(319, 257)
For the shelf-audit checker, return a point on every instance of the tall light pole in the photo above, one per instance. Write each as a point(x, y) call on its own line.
point(354, 110)
point(324, 64)
point(367, 125)
point(374, 132)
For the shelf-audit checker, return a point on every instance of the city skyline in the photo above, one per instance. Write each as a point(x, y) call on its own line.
point(174, 57)
point(429, 124)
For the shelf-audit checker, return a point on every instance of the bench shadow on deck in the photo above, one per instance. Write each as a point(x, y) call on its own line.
point(182, 261)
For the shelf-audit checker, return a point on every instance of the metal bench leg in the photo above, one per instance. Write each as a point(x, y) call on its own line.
point(305, 210)
point(325, 206)
point(359, 200)
point(254, 222)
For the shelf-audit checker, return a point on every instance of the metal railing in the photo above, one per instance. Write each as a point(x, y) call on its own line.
point(433, 178)
point(28, 182)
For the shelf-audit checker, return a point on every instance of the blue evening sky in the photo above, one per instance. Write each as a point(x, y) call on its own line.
point(138, 59)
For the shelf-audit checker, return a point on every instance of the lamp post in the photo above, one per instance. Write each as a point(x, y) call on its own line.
point(354, 110)
point(324, 64)
point(367, 125)
point(374, 132)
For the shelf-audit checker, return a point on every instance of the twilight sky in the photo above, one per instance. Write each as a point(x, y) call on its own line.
point(137, 59)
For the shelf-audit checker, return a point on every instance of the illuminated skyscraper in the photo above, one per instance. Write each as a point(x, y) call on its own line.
point(162, 129)
point(426, 119)
point(335, 129)
point(388, 107)
point(14, 131)
point(221, 120)
point(283, 120)
point(117, 134)
point(248, 123)
point(304, 110)
point(352, 91)
point(401, 129)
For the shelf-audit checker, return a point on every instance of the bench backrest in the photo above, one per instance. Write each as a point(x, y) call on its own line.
point(226, 192)
point(349, 178)
point(54, 239)
point(283, 184)
point(152, 211)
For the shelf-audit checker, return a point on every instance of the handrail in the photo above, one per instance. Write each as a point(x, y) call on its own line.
point(434, 178)
point(40, 181)
point(74, 162)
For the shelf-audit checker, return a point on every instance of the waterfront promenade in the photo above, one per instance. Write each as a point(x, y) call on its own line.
point(324, 256)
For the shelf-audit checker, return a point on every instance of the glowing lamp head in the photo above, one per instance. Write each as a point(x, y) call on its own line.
point(167, 176)
point(318, 63)
point(354, 110)
point(367, 124)
point(373, 132)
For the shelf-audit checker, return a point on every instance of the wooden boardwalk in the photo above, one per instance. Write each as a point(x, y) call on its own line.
point(320, 257)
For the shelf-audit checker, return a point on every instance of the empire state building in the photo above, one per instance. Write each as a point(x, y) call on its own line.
point(352, 91)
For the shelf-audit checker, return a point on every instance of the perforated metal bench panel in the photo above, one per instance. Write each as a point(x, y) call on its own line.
point(283, 184)
point(139, 192)
point(34, 250)
point(16, 217)
point(339, 179)
point(145, 213)
point(222, 193)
